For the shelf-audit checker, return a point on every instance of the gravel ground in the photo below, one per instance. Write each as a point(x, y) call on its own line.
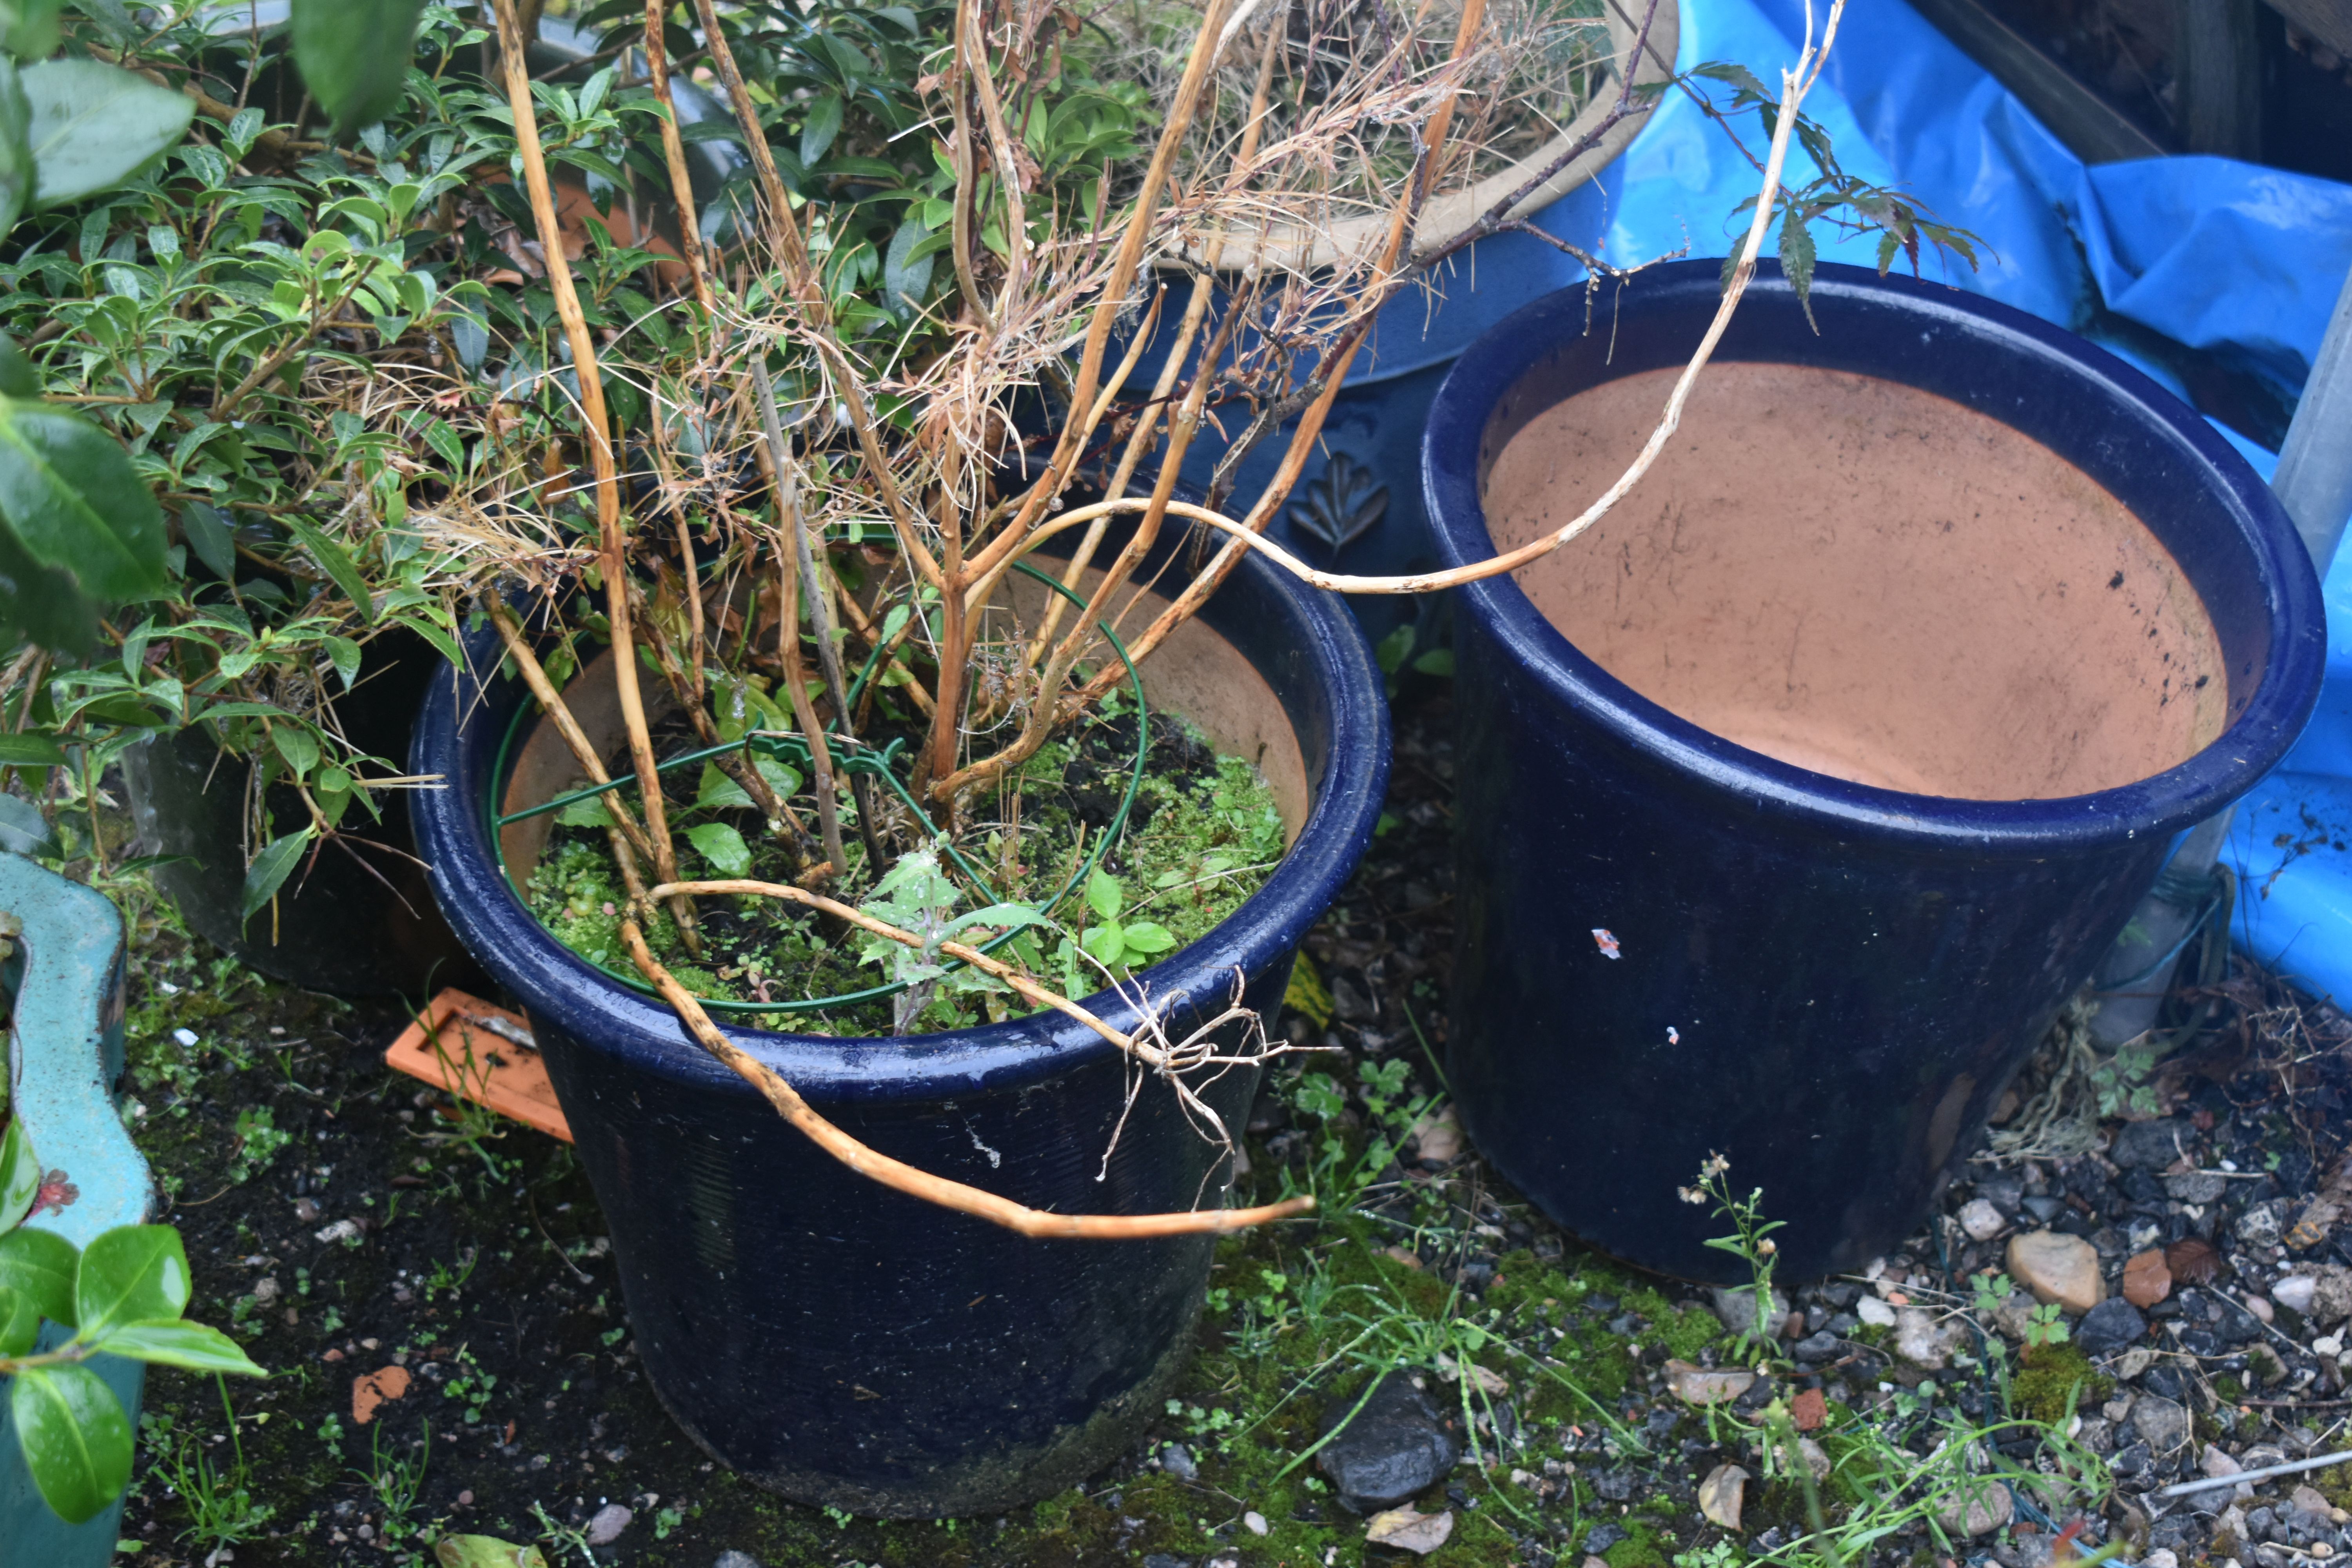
point(1546, 1407)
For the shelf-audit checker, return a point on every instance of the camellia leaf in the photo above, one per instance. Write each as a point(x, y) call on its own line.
point(271, 867)
point(15, 151)
point(176, 1342)
point(17, 377)
point(31, 749)
point(212, 536)
point(296, 745)
point(28, 30)
point(823, 123)
point(25, 831)
point(95, 125)
point(69, 495)
point(906, 277)
point(40, 1266)
point(353, 55)
point(20, 1175)
point(76, 1441)
point(716, 792)
point(338, 565)
point(20, 1322)
point(344, 655)
point(996, 915)
point(129, 1274)
point(722, 847)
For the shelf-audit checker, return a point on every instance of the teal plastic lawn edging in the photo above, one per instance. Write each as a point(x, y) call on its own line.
point(65, 1055)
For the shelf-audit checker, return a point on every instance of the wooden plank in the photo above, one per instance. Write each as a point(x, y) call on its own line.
point(2329, 21)
point(2091, 129)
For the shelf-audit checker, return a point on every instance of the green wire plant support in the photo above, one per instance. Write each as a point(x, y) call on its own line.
point(849, 756)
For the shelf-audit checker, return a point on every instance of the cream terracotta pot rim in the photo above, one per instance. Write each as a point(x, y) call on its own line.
point(1449, 214)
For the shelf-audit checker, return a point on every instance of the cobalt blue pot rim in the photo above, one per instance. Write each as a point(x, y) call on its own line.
point(2162, 803)
point(561, 990)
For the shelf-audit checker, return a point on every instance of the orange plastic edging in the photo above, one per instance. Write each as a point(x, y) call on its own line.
point(473, 1051)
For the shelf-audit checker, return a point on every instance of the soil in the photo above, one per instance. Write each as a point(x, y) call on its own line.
point(472, 1260)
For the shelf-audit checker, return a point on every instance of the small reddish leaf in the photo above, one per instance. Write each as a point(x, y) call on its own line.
point(2192, 1261)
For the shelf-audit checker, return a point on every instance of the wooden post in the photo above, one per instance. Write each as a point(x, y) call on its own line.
point(2217, 77)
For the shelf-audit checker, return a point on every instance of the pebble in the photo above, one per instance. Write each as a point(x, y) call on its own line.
point(2147, 1279)
point(2197, 1188)
point(737, 1560)
point(1922, 1341)
point(1707, 1385)
point(1737, 1308)
point(1395, 1447)
point(1439, 1138)
point(2109, 1327)
point(2295, 1292)
point(2058, 1268)
point(2161, 1423)
point(1875, 1312)
point(1987, 1510)
point(607, 1526)
point(2261, 1309)
point(2160, 1557)
point(2217, 1463)
point(1981, 1220)
point(1177, 1460)
point(2151, 1145)
point(1255, 1523)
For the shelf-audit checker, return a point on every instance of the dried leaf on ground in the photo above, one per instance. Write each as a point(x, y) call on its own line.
point(1490, 1382)
point(485, 1551)
point(1409, 1530)
point(2192, 1261)
point(375, 1388)
point(2147, 1279)
point(1721, 1495)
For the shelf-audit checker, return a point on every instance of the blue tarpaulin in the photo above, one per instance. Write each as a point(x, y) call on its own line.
point(2240, 262)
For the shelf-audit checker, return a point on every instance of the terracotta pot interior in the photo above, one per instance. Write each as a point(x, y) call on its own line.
point(1196, 673)
point(1867, 581)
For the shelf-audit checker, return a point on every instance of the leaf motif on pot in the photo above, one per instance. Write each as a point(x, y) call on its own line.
point(1341, 506)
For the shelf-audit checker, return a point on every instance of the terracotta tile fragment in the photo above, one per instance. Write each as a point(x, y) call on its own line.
point(376, 1388)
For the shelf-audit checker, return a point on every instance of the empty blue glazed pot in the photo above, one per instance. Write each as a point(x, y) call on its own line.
point(840, 1342)
point(1674, 943)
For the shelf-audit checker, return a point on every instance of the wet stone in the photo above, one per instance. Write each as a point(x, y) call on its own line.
point(737, 1560)
point(1602, 1537)
point(1394, 1448)
point(2162, 1423)
point(1821, 1347)
point(1614, 1486)
point(2109, 1327)
point(1177, 1460)
point(2152, 1145)
point(2199, 1187)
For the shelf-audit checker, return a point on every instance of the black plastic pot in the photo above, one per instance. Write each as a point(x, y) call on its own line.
point(839, 1341)
point(358, 920)
point(1828, 982)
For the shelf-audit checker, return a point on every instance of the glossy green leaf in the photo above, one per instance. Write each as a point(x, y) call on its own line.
point(212, 536)
point(25, 831)
point(906, 276)
point(344, 655)
point(997, 915)
point(40, 1266)
point(16, 149)
point(17, 377)
point(339, 563)
point(43, 605)
point(20, 1322)
point(271, 867)
point(20, 1175)
point(1103, 892)
point(823, 123)
point(176, 1342)
point(296, 745)
point(1149, 936)
point(31, 749)
point(76, 1441)
point(28, 30)
point(95, 125)
point(130, 1273)
point(1107, 943)
point(714, 791)
point(722, 847)
point(69, 494)
point(588, 813)
point(353, 55)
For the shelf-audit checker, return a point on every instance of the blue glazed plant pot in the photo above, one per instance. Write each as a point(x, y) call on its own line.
point(839, 1341)
point(1358, 503)
point(1823, 947)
